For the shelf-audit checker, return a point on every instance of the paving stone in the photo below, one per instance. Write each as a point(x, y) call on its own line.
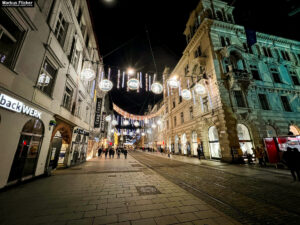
point(150, 213)
point(206, 222)
point(85, 221)
point(206, 214)
point(173, 204)
point(129, 216)
point(149, 221)
point(185, 217)
point(117, 210)
point(95, 213)
point(169, 211)
point(105, 219)
point(164, 220)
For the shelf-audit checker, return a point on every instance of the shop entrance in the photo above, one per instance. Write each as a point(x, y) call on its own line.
point(244, 139)
point(214, 144)
point(28, 149)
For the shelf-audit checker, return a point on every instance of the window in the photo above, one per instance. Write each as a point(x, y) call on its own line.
point(198, 52)
point(267, 52)
point(174, 121)
point(229, 18)
point(254, 72)
point(239, 99)
point(263, 102)
point(181, 118)
point(191, 112)
point(223, 43)
point(294, 77)
point(74, 55)
point(168, 124)
point(228, 41)
point(285, 55)
point(61, 29)
point(79, 15)
point(220, 16)
point(258, 52)
point(180, 99)
point(245, 46)
point(79, 104)
point(285, 103)
point(10, 37)
point(47, 77)
point(87, 41)
point(275, 75)
point(68, 94)
point(186, 69)
point(174, 105)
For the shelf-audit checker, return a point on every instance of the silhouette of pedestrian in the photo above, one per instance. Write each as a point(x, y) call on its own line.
point(289, 158)
point(199, 151)
point(99, 152)
point(112, 153)
point(106, 152)
point(118, 152)
point(125, 153)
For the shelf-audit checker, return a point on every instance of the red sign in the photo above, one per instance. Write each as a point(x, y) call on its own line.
point(271, 150)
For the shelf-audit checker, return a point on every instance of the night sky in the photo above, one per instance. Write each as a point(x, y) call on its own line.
point(121, 31)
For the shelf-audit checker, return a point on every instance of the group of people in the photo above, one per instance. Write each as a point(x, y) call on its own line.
point(111, 152)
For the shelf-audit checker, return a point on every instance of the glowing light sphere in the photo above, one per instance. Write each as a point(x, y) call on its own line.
point(133, 84)
point(200, 89)
point(157, 88)
point(88, 73)
point(136, 123)
point(114, 122)
point(153, 125)
point(137, 131)
point(126, 122)
point(149, 131)
point(108, 118)
point(112, 130)
point(124, 132)
point(186, 94)
point(146, 121)
point(173, 83)
point(105, 85)
point(143, 134)
point(130, 71)
point(158, 122)
point(131, 133)
point(118, 134)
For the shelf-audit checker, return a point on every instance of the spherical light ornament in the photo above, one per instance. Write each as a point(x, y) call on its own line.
point(131, 133)
point(158, 122)
point(156, 88)
point(124, 132)
point(143, 134)
point(136, 123)
point(173, 83)
point(112, 130)
point(146, 121)
point(114, 122)
point(88, 73)
point(149, 131)
point(105, 85)
point(133, 84)
point(118, 134)
point(130, 71)
point(137, 131)
point(186, 94)
point(126, 122)
point(200, 89)
point(153, 125)
point(108, 118)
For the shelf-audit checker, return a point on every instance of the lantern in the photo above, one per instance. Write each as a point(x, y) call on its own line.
point(186, 94)
point(126, 122)
point(133, 84)
point(108, 118)
point(114, 122)
point(156, 88)
point(136, 123)
point(88, 72)
point(143, 134)
point(173, 83)
point(105, 85)
point(200, 89)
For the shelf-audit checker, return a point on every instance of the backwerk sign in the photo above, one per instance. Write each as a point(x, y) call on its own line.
point(18, 106)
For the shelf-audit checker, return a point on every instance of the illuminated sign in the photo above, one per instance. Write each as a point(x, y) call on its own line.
point(186, 94)
point(105, 85)
point(200, 89)
point(133, 84)
point(156, 88)
point(18, 106)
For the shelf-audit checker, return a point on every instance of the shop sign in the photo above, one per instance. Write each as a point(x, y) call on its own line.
point(133, 84)
point(102, 122)
point(15, 105)
point(98, 113)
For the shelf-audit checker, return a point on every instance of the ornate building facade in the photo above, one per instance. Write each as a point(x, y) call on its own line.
point(249, 92)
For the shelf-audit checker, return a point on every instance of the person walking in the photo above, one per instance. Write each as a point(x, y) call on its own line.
point(199, 151)
point(99, 152)
point(118, 152)
point(259, 154)
point(112, 153)
point(125, 153)
point(289, 158)
point(106, 152)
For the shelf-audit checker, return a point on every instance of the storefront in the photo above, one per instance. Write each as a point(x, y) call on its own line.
point(24, 139)
point(244, 139)
point(184, 144)
point(176, 145)
point(79, 146)
point(214, 144)
point(194, 143)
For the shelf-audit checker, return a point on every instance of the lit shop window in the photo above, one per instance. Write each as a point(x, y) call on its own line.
point(46, 78)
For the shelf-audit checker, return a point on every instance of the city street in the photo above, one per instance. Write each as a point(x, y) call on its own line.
point(111, 191)
point(250, 195)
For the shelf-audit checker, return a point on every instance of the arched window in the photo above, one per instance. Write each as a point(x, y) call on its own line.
point(229, 18)
point(213, 137)
point(244, 139)
point(223, 43)
point(194, 143)
point(220, 16)
point(28, 149)
point(176, 144)
point(183, 143)
point(208, 14)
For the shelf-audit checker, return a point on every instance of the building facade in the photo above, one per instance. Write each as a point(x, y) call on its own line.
point(248, 93)
point(47, 107)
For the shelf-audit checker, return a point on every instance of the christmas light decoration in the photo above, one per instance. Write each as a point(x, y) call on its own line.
point(186, 94)
point(200, 89)
point(133, 84)
point(156, 88)
point(105, 85)
point(88, 73)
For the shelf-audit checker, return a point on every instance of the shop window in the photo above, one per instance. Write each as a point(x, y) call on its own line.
point(74, 55)
point(254, 72)
point(191, 112)
point(46, 80)
point(215, 150)
point(10, 39)
point(294, 77)
point(244, 139)
point(61, 29)
point(263, 102)
point(79, 105)
point(285, 104)
point(275, 75)
point(68, 95)
point(239, 99)
point(181, 117)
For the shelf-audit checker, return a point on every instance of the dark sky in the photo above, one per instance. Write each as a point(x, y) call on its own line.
point(122, 37)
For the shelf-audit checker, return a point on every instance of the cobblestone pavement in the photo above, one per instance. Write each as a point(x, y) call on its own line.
point(111, 191)
point(251, 196)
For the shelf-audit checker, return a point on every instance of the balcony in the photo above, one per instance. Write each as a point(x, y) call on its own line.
point(201, 60)
point(239, 78)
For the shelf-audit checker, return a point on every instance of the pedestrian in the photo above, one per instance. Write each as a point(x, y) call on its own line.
point(259, 154)
point(106, 152)
point(289, 158)
point(199, 152)
point(112, 153)
point(118, 152)
point(125, 153)
point(99, 152)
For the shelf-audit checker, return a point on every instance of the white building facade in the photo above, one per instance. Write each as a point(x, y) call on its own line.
point(47, 107)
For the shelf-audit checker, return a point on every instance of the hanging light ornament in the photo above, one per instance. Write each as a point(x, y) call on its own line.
point(112, 130)
point(131, 133)
point(105, 85)
point(200, 89)
point(137, 131)
point(146, 121)
point(133, 84)
point(108, 118)
point(186, 94)
point(118, 134)
point(153, 125)
point(149, 131)
point(88, 73)
point(173, 82)
point(126, 122)
point(136, 123)
point(158, 122)
point(143, 134)
point(125, 132)
point(114, 122)
point(157, 88)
